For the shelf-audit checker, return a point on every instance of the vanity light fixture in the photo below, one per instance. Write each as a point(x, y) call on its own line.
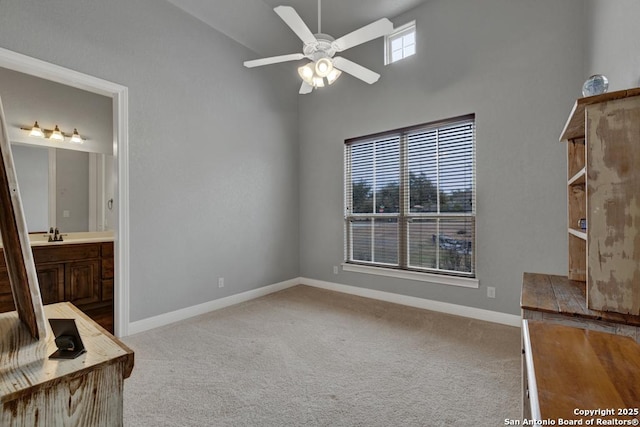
point(36, 131)
point(56, 134)
point(76, 138)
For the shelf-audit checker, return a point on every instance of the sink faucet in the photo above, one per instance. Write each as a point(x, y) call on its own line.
point(57, 237)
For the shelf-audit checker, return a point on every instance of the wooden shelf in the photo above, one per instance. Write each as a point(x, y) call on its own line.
point(558, 295)
point(578, 233)
point(579, 178)
point(575, 126)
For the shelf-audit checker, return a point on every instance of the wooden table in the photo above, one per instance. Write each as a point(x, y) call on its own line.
point(571, 369)
point(38, 391)
point(560, 300)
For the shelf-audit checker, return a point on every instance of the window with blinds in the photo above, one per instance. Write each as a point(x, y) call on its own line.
point(410, 198)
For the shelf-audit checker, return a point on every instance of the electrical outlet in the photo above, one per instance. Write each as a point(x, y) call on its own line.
point(491, 292)
point(335, 269)
point(221, 282)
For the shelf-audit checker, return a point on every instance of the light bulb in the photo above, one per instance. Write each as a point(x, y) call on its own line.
point(36, 131)
point(333, 75)
point(56, 134)
point(323, 67)
point(306, 73)
point(76, 138)
point(318, 82)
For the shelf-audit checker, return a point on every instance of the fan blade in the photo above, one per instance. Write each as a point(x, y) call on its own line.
point(273, 60)
point(293, 20)
point(376, 29)
point(305, 88)
point(355, 70)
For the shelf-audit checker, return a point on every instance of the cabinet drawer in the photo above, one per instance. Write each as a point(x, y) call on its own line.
point(107, 249)
point(61, 253)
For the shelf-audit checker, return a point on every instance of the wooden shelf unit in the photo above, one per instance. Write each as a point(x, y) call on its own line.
point(603, 182)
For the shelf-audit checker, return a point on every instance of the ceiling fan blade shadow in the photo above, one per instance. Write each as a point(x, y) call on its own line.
point(273, 60)
point(376, 29)
point(305, 88)
point(356, 70)
point(293, 20)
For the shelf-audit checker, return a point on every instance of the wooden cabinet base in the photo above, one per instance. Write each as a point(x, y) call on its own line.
point(38, 391)
point(102, 314)
point(93, 399)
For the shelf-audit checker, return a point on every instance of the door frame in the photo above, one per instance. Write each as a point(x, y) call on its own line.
point(120, 95)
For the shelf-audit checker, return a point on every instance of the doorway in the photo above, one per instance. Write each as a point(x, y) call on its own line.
point(119, 94)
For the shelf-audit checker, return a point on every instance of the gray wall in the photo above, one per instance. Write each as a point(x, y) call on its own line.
point(613, 42)
point(516, 64)
point(213, 145)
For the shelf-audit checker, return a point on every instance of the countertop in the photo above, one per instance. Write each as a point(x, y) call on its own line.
point(42, 239)
point(557, 294)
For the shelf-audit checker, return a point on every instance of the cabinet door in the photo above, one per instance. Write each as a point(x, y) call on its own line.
point(613, 174)
point(82, 284)
point(51, 280)
point(6, 296)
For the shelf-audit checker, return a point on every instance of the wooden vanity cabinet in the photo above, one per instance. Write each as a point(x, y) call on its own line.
point(79, 273)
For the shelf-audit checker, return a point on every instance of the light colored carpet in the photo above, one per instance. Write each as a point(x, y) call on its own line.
point(310, 357)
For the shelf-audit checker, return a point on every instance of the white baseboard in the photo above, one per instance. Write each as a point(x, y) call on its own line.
point(442, 307)
point(196, 310)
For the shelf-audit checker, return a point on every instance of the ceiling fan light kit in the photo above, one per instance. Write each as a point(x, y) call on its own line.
point(315, 74)
point(323, 67)
point(321, 49)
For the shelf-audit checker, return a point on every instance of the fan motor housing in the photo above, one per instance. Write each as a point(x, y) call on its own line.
point(322, 49)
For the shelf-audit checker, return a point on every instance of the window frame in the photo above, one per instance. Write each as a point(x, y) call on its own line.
point(403, 269)
point(399, 32)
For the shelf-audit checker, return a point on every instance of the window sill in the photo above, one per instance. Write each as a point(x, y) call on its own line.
point(440, 279)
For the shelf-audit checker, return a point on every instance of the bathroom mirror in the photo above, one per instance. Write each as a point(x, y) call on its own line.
point(65, 189)
point(64, 185)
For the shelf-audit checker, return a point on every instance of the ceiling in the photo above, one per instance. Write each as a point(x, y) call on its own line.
point(254, 24)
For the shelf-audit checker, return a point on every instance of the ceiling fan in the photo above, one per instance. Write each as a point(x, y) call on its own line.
point(321, 49)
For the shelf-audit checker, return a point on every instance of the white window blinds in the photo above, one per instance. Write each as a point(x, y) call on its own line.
point(410, 198)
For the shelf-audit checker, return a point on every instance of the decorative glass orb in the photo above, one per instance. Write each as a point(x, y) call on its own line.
point(595, 85)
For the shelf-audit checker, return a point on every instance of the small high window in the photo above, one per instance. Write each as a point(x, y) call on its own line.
point(401, 43)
